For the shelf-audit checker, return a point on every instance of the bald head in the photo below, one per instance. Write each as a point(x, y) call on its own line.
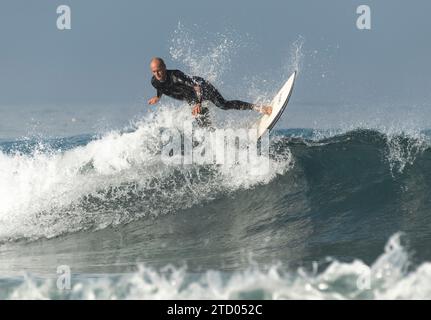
point(158, 60)
point(158, 68)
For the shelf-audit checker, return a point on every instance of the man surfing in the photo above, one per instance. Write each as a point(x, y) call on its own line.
point(193, 90)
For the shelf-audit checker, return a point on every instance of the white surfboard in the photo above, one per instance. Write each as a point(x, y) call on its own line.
point(279, 103)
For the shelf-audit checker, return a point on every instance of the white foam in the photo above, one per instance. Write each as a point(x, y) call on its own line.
point(388, 279)
point(42, 193)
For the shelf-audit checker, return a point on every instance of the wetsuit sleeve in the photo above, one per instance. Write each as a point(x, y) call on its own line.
point(159, 92)
point(182, 78)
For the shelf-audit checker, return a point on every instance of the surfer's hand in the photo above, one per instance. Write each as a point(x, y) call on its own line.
point(196, 109)
point(153, 100)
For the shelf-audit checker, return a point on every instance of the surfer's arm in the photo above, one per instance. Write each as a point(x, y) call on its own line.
point(159, 93)
point(156, 98)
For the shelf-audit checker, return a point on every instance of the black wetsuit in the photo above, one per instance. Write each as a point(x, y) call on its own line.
point(182, 87)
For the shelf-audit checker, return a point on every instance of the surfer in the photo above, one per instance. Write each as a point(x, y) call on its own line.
point(193, 90)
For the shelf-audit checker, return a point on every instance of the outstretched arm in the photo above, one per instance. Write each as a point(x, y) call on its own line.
point(155, 99)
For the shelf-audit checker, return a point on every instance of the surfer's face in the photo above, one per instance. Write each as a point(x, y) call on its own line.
point(158, 70)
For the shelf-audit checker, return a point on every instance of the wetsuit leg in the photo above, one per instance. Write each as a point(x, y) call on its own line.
point(212, 94)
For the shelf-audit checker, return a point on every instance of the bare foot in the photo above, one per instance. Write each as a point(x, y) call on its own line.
point(266, 110)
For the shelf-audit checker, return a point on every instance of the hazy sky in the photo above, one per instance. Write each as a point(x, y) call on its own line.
point(103, 60)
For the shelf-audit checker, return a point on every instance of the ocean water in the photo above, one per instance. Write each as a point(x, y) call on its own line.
point(341, 214)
